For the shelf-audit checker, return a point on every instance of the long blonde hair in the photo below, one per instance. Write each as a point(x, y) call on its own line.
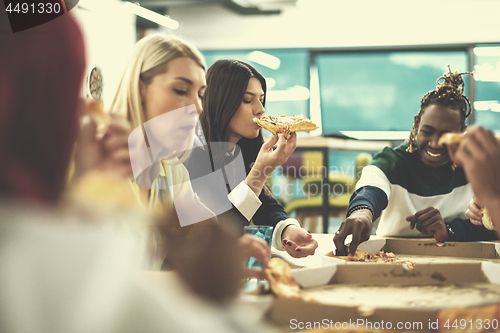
point(149, 58)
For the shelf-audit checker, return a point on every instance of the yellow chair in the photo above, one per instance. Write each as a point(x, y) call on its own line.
point(342, 185)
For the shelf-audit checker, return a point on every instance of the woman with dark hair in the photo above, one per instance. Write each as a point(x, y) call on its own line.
point(420, 190)
point(235, 95)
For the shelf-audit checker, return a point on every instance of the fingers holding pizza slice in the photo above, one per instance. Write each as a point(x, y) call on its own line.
point(94, 110)
point(453, 139)
point(285, 125)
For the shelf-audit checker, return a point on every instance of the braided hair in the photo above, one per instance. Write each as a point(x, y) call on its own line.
point(450, 93)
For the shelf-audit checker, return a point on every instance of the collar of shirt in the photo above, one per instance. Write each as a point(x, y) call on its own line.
point(231, 152)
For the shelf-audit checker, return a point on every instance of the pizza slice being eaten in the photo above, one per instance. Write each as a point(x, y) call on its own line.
point(285, 125)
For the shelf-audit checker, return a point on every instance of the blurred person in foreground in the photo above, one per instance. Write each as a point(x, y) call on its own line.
point(415, 188)
point(478, 152)
point(59, 271)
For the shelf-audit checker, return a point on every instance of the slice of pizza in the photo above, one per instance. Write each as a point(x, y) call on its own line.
point(450, 138)
point(285, 125)
point(281, 280)
point(454, 138)
point(487, 222)
point(380, 256)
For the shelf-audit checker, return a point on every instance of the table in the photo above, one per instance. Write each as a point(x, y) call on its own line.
point(326, 145)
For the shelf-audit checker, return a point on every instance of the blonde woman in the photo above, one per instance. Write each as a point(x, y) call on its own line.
point(161, 92)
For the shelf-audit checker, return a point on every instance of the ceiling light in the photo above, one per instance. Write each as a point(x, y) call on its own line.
point(264, 59)
point(487, 106)
point(487, 51)
point(297, 93)
point(495, 107)
point(270, 82)
point(152, 16)
point(377, 135)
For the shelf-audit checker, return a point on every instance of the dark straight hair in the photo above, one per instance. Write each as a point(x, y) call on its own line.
point(227, 81)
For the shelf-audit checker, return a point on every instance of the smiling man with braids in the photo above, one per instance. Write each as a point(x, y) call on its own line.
point(416, 185)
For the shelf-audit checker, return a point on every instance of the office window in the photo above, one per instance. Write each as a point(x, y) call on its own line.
point(286, 73)
point(487, 76)
point(371, 95)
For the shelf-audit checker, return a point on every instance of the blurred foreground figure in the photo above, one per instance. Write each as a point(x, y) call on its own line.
point(478, 152)
point(60, 272)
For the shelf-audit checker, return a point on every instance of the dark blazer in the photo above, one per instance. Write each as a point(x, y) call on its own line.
point(269, 213)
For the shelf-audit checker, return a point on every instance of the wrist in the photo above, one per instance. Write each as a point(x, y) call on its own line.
point(361, 209)
point(255, 180)
point(287, 230)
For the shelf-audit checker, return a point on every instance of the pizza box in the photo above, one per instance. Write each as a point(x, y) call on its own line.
point(405, 299)
point(425, 250)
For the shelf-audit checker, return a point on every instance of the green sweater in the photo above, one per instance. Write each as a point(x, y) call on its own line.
point(409, 186)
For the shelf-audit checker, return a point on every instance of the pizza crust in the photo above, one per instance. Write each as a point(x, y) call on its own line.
point(450, 138)
point(285, 125)
point(488, 224)
point(281, 280)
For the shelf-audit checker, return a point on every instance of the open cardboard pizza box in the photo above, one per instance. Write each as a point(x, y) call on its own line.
point(376, 292)
point(425, 250)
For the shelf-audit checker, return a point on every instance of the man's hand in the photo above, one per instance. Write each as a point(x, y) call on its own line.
point(429, 222)
point(359, 224)
point(298, 242)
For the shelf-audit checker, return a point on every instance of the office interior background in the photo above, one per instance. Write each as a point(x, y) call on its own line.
point(357, 68)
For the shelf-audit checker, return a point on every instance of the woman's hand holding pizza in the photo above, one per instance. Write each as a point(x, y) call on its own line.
point(269, 159)
point(104, 153)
